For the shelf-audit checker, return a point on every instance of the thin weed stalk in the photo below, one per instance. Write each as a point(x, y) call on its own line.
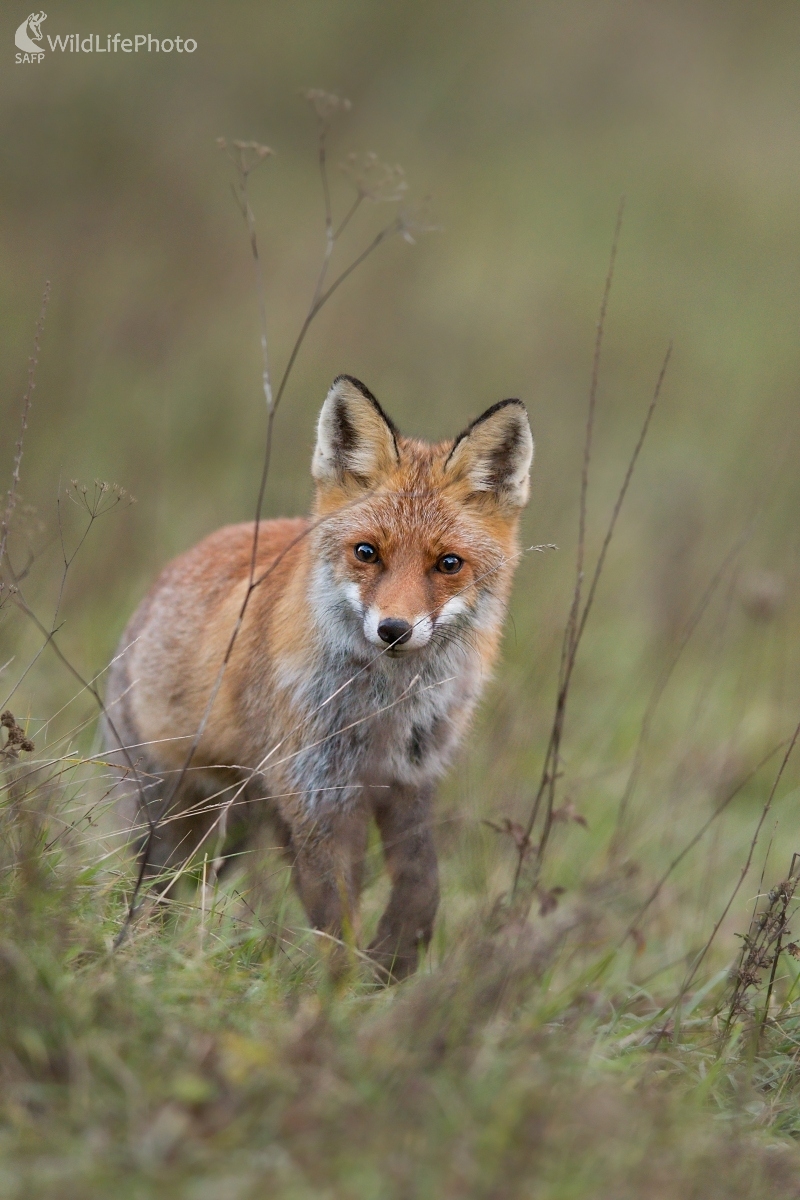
point(700, 958)
point(697, 837)
point(661, 685)
point(578, 614)
point(27, 400)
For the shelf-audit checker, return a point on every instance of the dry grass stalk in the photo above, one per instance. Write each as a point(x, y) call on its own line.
point(762, 946)
point(578, 614)
point(16, 738)
point(95, 506)
point(27, 399)
point(700, 958)
point(660, 687)
point(635, 927)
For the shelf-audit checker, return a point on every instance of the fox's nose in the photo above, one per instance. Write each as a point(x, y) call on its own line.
point(394, 630)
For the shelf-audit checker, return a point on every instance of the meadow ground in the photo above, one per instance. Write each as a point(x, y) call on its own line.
point(595, 1032)
point(542, 1049)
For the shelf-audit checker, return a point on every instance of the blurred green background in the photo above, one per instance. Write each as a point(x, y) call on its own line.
point(524, 123)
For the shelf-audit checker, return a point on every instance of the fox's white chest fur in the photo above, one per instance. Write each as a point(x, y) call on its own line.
point(389, 720)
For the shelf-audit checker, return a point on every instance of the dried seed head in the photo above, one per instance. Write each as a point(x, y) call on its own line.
point(257, 148)
point(761, 948)
point(16, 739)
point(325, 104)
point(375, 180)
point(245, 156)
point(102, 499)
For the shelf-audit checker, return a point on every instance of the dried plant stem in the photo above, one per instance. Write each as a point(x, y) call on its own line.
point(330, 236)
point(689, 979)
point(578, 616)
point(203, 894)
point(598, 571)
point(581, 623)
point(661, 685)
point(19, 600)
point(27, 399)
point(394, 227)
point(569, 643)
point(86, 684)
point(587, 446)
point(787, 893)
point(690, 845)
point(16, 593)
point(244, 167)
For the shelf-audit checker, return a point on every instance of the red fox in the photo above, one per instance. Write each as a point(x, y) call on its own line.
point(355, 672)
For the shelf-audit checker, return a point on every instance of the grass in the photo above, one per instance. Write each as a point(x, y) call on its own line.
point(536, 1052)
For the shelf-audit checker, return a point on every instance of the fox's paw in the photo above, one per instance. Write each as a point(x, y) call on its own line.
point(394, 960)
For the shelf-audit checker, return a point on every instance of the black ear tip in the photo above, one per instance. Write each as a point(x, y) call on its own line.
point(496, 408)
point(357, 384)
point(503, 404)
point(367, 394)
point(486, 416)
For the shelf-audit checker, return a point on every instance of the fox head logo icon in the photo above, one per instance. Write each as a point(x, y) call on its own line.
point(32, 22)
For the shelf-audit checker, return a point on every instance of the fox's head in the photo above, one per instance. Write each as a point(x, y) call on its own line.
point(416, 544)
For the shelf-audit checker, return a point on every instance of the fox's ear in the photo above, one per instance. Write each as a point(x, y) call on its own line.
point(355, 439)
point(494, 453)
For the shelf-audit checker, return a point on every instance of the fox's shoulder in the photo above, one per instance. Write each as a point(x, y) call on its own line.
point(224, 557)
point(232, 546)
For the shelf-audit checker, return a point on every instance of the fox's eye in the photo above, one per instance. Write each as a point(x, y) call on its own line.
point(366, 552)
point(449, 564)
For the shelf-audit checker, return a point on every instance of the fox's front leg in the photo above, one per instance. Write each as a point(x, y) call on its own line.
point(404, 820)
point(328, 864)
